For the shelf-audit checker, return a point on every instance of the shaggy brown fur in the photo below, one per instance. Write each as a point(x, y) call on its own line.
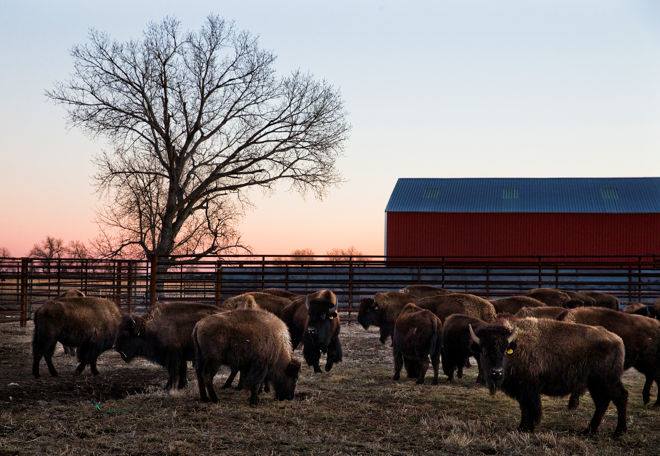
point(513, 304)
point(241, 301)
point(282, 293)
point(633, 307)
point(533, 356)
point(456, 344)
point(254, 342)
point(90, 324)
point(416, 338)
point(423, 291)
point(71, 293)
point(266, 301)
point(550, 296)
point(550, 312)
point(163, 336)
point(603, 299)
point(463, 303)
point(641, 336)
point(579, 299)
point(314, 321)
point(382, 311)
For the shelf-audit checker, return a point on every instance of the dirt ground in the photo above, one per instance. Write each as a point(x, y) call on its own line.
point(356, 409)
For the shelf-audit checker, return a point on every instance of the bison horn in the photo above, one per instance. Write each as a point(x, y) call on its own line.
point(473, 336)
point(513, 336)
point(307, 302)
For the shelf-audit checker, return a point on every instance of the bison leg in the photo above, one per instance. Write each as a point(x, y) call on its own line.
point(255, 378)
point(398, 364)
point(200, 380)
point(646, 391)
point(335, 354)
point(423, 367)
point(312, 356)
point(183, 371)
point(657, 385)
point(459, 371)
point(172, 366)
point(92, 367)
point(230, 379)
point(208, 375)
point(574, 401)
point(620, 398)
point(48, 356)
point(601, 401)
point(435, 362)
point(530, 410)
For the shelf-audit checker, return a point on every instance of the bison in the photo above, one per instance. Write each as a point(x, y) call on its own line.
point(651, 311)
point(416, 338)
point(550, 312)
point(87, 323)
point(281, 293)
point(550, 296)
point(423, 291)
point(531, 356)
point(603, 299)
point(252, 341)
point(463, 303)
point(382, 311)
point(456, 344)
point(266, 301)
point(640, 335)
point(513, 304)
point(633, 307)
point(163, 336)
point(314, 321)
point(579, 299)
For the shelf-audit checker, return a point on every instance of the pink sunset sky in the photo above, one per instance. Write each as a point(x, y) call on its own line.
point(432, 89)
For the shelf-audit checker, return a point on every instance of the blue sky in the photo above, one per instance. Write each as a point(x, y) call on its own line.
point(433, 88)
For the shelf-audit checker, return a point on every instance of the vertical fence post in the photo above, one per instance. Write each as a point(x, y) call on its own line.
point(540, 276)
point(350, 286)
point(218, 283)
point(129, 286)
point(263, 271)
point(24, 297)
point(639, 279)
point(153, 280)
point(59, 276)
point(118, 282)
point(488, 281)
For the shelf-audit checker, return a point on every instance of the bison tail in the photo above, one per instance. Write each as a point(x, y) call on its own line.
point(436, 338)
point(199, 359)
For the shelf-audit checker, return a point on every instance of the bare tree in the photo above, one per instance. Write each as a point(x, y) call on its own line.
point(4, 252)
point(195, 119)
point(339, 254)
point(77, 249)
point(49, 248)
point(304, 251)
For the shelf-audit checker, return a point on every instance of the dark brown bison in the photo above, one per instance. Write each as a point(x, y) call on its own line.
point(551, 312)
point(640, 335)
point(417, 337)
point(314, 321)
point(423, 291)
point(382, 311)
point(578, 299)
point(531, 356)
point(87, 323)
point(463, 303)
point(550, 296)
point(266, 301)
point(457, 345)
point(603, 299)
point(252, 341)
point(282, 293)
point(651, 311)
point(633, 307)
point(163, 336)
point(513, 304)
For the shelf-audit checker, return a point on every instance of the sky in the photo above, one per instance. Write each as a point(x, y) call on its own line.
point(462, 88)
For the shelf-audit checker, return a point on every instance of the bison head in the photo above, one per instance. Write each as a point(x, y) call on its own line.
point(130, 341)
point(285, 383)
point(494, 344)
point(321, 325)
point(369, 313)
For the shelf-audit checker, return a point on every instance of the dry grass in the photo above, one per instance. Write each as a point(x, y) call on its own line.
point(356, 409)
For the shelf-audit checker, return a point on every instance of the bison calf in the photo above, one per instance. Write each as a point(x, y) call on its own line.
point(87, 323)
point(416, 338)
point(163, 336)
point(533, 356)
point(457, 345)
point(254, 342)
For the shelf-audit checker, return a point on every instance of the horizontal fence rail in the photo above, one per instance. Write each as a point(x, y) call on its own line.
point(26, 283)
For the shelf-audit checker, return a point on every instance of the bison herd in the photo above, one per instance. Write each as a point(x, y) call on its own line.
point(546, 342)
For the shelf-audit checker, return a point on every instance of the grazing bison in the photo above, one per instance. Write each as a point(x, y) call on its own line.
point(313, 320)
point(252, 341)
point(603, 299)
point(538, 356)
point(463, 303)
point(640, 335)
point(423, 291)
point(457, 345)
point(382, 311)
point(87, 323)
point(416, 338)
point(550, 312)
point(550, 296)
point(163, 336)
point(513, 304)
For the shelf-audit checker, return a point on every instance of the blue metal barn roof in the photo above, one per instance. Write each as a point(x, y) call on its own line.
point(534, 195)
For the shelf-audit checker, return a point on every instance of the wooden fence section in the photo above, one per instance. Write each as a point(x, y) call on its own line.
point(25, 283)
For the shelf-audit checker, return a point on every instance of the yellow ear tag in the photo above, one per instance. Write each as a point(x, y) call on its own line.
point(509, 351)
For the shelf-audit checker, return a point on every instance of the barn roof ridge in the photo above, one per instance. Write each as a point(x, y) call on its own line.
point(617, 195)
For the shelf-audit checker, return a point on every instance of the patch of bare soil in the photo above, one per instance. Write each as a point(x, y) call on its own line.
point(355, 409)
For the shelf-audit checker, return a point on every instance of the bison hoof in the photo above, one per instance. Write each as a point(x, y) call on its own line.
point(317, 370)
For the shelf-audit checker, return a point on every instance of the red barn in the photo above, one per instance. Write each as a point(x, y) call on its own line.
point(523, 217)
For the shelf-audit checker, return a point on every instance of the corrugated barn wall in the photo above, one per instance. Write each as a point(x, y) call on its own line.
point(523, 217)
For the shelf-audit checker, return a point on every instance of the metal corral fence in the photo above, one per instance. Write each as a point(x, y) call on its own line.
point(25, 283)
